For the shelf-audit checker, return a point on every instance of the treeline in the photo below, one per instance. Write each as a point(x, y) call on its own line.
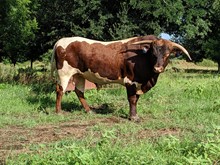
point(29, 28)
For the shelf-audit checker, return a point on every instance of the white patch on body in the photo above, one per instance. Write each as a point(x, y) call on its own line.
point(138, 86)
point(65, 74)
point(128, 81)
point(139, 92)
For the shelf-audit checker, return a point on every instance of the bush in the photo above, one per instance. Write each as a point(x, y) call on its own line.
point(24, 75)
point(207, 63)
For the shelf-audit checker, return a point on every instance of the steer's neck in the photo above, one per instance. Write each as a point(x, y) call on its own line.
point(151, 82)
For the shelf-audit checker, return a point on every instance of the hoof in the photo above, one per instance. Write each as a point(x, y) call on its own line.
point(61, 113)
point(58, 111)
point(91, 112)
point(135, 119)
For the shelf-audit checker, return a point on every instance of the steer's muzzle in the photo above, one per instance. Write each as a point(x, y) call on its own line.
point(158, 69)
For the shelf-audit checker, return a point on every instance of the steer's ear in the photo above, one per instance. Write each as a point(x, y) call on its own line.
point(145, 49)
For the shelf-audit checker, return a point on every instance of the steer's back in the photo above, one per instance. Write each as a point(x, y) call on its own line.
point(64, 42)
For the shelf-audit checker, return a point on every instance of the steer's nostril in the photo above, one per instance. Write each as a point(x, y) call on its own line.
point(158, 69)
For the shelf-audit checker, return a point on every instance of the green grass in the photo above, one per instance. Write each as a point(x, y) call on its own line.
point(208, 63)
point(113, 148)
point(180, 122)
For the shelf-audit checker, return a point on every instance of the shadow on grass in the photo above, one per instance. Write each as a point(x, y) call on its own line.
point(43, 87)
point(103, 109)
point(110, 108)
point(46, 102)
point(195, 70)
point(202, 71)
point(42, 96)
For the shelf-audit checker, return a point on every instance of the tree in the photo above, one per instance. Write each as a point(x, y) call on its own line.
point(195, 26)
point(102, 20)
point(18, 30)
point(212, 42)
point(39, 24)
point(2, 16)
point(205, 44)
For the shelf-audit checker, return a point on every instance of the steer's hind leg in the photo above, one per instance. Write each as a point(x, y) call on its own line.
point(79, 90)
point(59, 91)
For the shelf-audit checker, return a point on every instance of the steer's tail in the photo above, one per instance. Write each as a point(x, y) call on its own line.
point(53, 62)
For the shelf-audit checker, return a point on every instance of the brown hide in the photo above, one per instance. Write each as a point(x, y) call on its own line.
point(105, 60)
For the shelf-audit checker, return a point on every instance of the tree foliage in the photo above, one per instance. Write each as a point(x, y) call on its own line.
point(18, 30)
point(31, 27)
point(212, 43)
point(205, 43)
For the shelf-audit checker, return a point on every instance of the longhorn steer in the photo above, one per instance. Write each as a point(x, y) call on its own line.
point(135, 63)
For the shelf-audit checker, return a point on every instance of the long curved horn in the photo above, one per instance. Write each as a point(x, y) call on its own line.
point(142, 42)
point(181, 48)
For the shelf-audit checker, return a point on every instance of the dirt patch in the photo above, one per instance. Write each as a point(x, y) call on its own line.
point(158, 133)
point(16, 139)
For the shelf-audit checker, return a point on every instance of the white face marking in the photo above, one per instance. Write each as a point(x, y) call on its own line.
point(64, 42)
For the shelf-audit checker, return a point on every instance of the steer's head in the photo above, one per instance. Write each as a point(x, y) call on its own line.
point(160, 50)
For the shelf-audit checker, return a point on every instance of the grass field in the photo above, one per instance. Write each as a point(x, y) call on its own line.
point(180, 121)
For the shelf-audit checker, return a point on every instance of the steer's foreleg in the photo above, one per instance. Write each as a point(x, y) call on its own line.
point(133, 99)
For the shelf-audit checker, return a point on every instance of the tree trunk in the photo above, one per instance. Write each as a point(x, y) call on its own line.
point(14, 61)
point(218, 66)
point(31, 64)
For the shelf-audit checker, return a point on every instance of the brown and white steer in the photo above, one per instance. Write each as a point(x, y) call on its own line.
point(134, 63)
